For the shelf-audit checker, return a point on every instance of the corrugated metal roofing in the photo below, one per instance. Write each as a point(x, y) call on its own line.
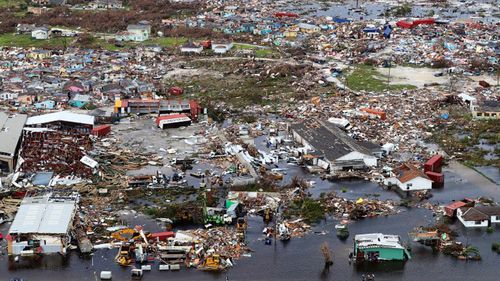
point(10, 131)
point(65, 116)
point(43, 215)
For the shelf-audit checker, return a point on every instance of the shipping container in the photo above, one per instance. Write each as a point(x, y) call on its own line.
point(437, 178)
point(101, 130)
point(434, 164)
point(286, 15)
point(423, 21)
point(404, 24)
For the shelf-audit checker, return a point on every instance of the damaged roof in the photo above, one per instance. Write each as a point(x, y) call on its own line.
point(64, 116)
point(11, 128)
point(332, 142)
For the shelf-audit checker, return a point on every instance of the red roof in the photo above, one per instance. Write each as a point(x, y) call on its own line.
point(162, 235)
point(455, 205)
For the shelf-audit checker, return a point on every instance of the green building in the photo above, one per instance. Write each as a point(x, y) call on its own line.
point(379, 247)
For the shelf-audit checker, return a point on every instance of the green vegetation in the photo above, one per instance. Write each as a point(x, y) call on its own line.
point(402, 10)
point(166, 42)
point(309, 209)
point(11, 3)
point(259, 51)
point(495, 247)
point(264, 53)
point(25, 41)
point(490, 229)
point(366, 78)
point(466, 148)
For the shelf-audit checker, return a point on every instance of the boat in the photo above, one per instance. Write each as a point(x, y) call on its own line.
point(283, 232)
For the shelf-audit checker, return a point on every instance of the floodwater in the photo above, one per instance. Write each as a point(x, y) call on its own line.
point(300, 258)
point(482, 9)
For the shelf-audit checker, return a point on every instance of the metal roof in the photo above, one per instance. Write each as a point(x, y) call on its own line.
point(11, 128)
point(373, 240)
point(43, 215)
point(65, 116)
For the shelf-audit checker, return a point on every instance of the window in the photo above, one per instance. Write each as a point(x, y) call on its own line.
point(478, 222)
point(498, 218)
point(479, 114)
point(486, 115)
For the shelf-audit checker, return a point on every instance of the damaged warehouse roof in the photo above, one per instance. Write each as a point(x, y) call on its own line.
point(329, 140)
point(11, 128)
point(44, 215)
point(64, 116)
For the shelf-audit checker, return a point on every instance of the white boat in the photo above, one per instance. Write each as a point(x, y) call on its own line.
point(340, 226)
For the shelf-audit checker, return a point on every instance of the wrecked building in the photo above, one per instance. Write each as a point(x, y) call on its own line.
point(338, 150)
point(11, 128)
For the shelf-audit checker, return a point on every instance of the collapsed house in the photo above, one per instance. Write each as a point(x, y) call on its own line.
point(11, 128)
point(336, 150)
point(42, 225)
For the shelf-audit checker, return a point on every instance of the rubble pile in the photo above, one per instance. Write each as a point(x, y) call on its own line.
point(362, 208)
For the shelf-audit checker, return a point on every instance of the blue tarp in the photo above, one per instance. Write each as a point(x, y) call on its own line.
point(340, 20)
point(387, 32)
point(367, 29)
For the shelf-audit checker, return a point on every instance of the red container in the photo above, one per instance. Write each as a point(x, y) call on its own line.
point(207, 44)
point(379, 113)
point(286, 15)
point(437, 178)
point(404, 24)
point(162, 236)
point(434, 164)
point(101, 130)
point(176, 91)
point(423, 21)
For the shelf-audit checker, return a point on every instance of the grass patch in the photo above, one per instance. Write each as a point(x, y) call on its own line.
point(264, 53)
point(166, 42)
point(446, 135)
point(11, 3)
point(367, 78)
point(25, 41)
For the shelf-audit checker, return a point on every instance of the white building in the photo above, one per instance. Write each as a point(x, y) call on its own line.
point(222, 47)
point(409, 178)
point(135, 32)
point(42, 225)
point(480, 216)
point(8, 96)
point(40, 33)
point(191, 48)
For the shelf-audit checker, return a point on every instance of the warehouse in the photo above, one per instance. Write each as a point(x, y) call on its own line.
point(42, 225)
point(11, 128)
point(339, 150)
